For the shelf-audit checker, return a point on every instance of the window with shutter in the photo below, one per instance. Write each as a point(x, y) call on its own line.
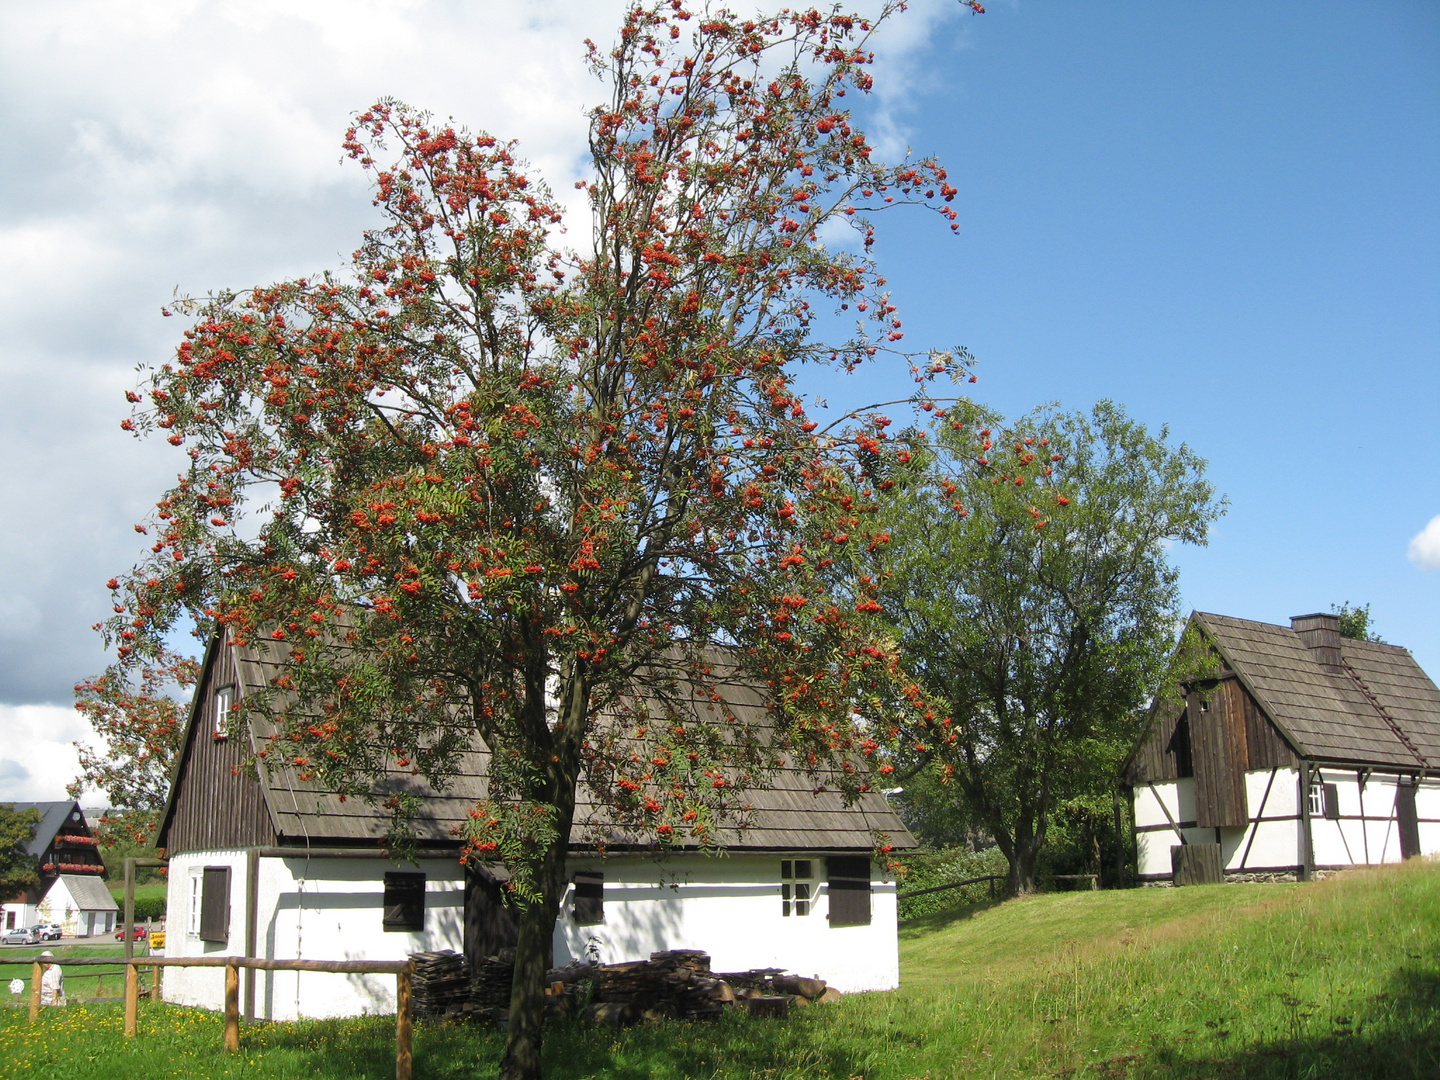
point(848, 886)
point(404, 903)
point(215, 904)
point(589, 901)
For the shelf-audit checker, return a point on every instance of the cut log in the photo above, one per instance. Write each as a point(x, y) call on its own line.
point(798, 984)
point(777, 1007)
point(829, 996)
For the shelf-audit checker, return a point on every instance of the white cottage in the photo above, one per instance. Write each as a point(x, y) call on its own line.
point(1301, 751)
point(81, 904)
point(266, 864)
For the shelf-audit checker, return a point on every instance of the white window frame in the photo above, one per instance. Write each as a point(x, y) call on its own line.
point(197, 879)
point(224, 700)
point(797, 887)
point(1317, 797)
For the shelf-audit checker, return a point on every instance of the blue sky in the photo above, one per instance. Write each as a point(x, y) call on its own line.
point(1229, 221)
point(1224, 217)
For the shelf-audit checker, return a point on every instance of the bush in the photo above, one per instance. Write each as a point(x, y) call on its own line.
point(147, 908)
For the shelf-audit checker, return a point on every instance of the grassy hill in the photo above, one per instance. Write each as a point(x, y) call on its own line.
point(1335, 979)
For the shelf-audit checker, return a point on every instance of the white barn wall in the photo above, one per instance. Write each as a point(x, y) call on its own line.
point(1276, 844)
point(316, 909)
point(730, 906)
point(200, 986)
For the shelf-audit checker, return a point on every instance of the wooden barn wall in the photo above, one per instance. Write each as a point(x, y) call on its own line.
point(1164, 753)
point(1220, 752)
point(218, 803)
point(1267, 747)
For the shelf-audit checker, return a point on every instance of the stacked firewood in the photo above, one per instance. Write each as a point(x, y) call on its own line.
point(490, 981)
point(680, 984)
point(676, 984)
point(440, 983)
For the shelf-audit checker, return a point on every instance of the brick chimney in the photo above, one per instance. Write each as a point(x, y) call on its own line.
point(1321, 634)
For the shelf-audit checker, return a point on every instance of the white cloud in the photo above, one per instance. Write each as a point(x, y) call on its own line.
point(1425, 547)
point(156, 145)
point(37, 752)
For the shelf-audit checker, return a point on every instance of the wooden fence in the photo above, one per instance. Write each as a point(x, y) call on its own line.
point(401, 969)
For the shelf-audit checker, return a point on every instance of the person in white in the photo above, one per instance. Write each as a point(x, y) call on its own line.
point(52, 980)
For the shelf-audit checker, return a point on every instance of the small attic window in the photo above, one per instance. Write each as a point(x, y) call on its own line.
point(224, 700)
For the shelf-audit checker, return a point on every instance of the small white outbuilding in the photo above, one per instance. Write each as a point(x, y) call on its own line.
point(266, 863)
point(81, 904)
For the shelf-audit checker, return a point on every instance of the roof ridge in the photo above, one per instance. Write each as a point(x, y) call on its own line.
point(1384, 713)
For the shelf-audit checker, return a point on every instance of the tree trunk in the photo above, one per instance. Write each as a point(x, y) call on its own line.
point(533, 947)
point(525, 1030)
point(1020, 878)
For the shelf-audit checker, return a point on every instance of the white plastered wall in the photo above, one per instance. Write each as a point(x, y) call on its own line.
point(316, 909)
point(730, 906)
point(1273, 842)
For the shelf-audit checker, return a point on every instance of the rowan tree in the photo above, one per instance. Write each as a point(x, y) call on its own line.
point(136, 708)
point(477, 473)
point(1035, 607)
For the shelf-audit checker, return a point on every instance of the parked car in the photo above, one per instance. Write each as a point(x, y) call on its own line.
point(22, 935)
point(136, 933)
point(50, 931)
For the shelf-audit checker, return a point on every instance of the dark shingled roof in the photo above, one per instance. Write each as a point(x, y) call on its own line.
point(1377, 708)
point(790, 813)
point(53, 815)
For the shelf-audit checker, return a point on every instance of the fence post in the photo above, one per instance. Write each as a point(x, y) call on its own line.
point(35, 976)
point(403, 1052)
point(132, 998)
point(232, 1008)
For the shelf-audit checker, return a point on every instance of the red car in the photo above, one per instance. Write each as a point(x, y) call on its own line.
point(137, 933)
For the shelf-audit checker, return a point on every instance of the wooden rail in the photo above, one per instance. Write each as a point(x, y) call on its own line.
point(953, 885)
point(401, 969)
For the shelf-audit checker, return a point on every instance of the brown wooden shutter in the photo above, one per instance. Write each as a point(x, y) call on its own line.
point(404, 904)
point(1407, 819)
point(1330, 799)
point(589, 906)
point(848, 885)
point(214, 904)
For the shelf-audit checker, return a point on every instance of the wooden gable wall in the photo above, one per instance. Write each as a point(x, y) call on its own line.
point(217, 801)
point(1220, 734)
point(1164, 749)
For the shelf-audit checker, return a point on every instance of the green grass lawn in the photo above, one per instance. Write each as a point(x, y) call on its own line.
point(1335, 979)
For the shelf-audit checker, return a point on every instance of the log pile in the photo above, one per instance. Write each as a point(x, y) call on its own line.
point(680, 984)
point(440, 983)
point(676, 984)
point(490, 984)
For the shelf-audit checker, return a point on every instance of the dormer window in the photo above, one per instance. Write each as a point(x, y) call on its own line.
point(224, 699)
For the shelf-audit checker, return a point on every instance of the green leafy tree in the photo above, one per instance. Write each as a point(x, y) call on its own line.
point(1036, 606)
point(1355, 622)
point(479, 475)
point(17, 865)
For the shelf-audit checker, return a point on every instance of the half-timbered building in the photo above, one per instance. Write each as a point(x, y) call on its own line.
point(266, 862)
point(1297, 750)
